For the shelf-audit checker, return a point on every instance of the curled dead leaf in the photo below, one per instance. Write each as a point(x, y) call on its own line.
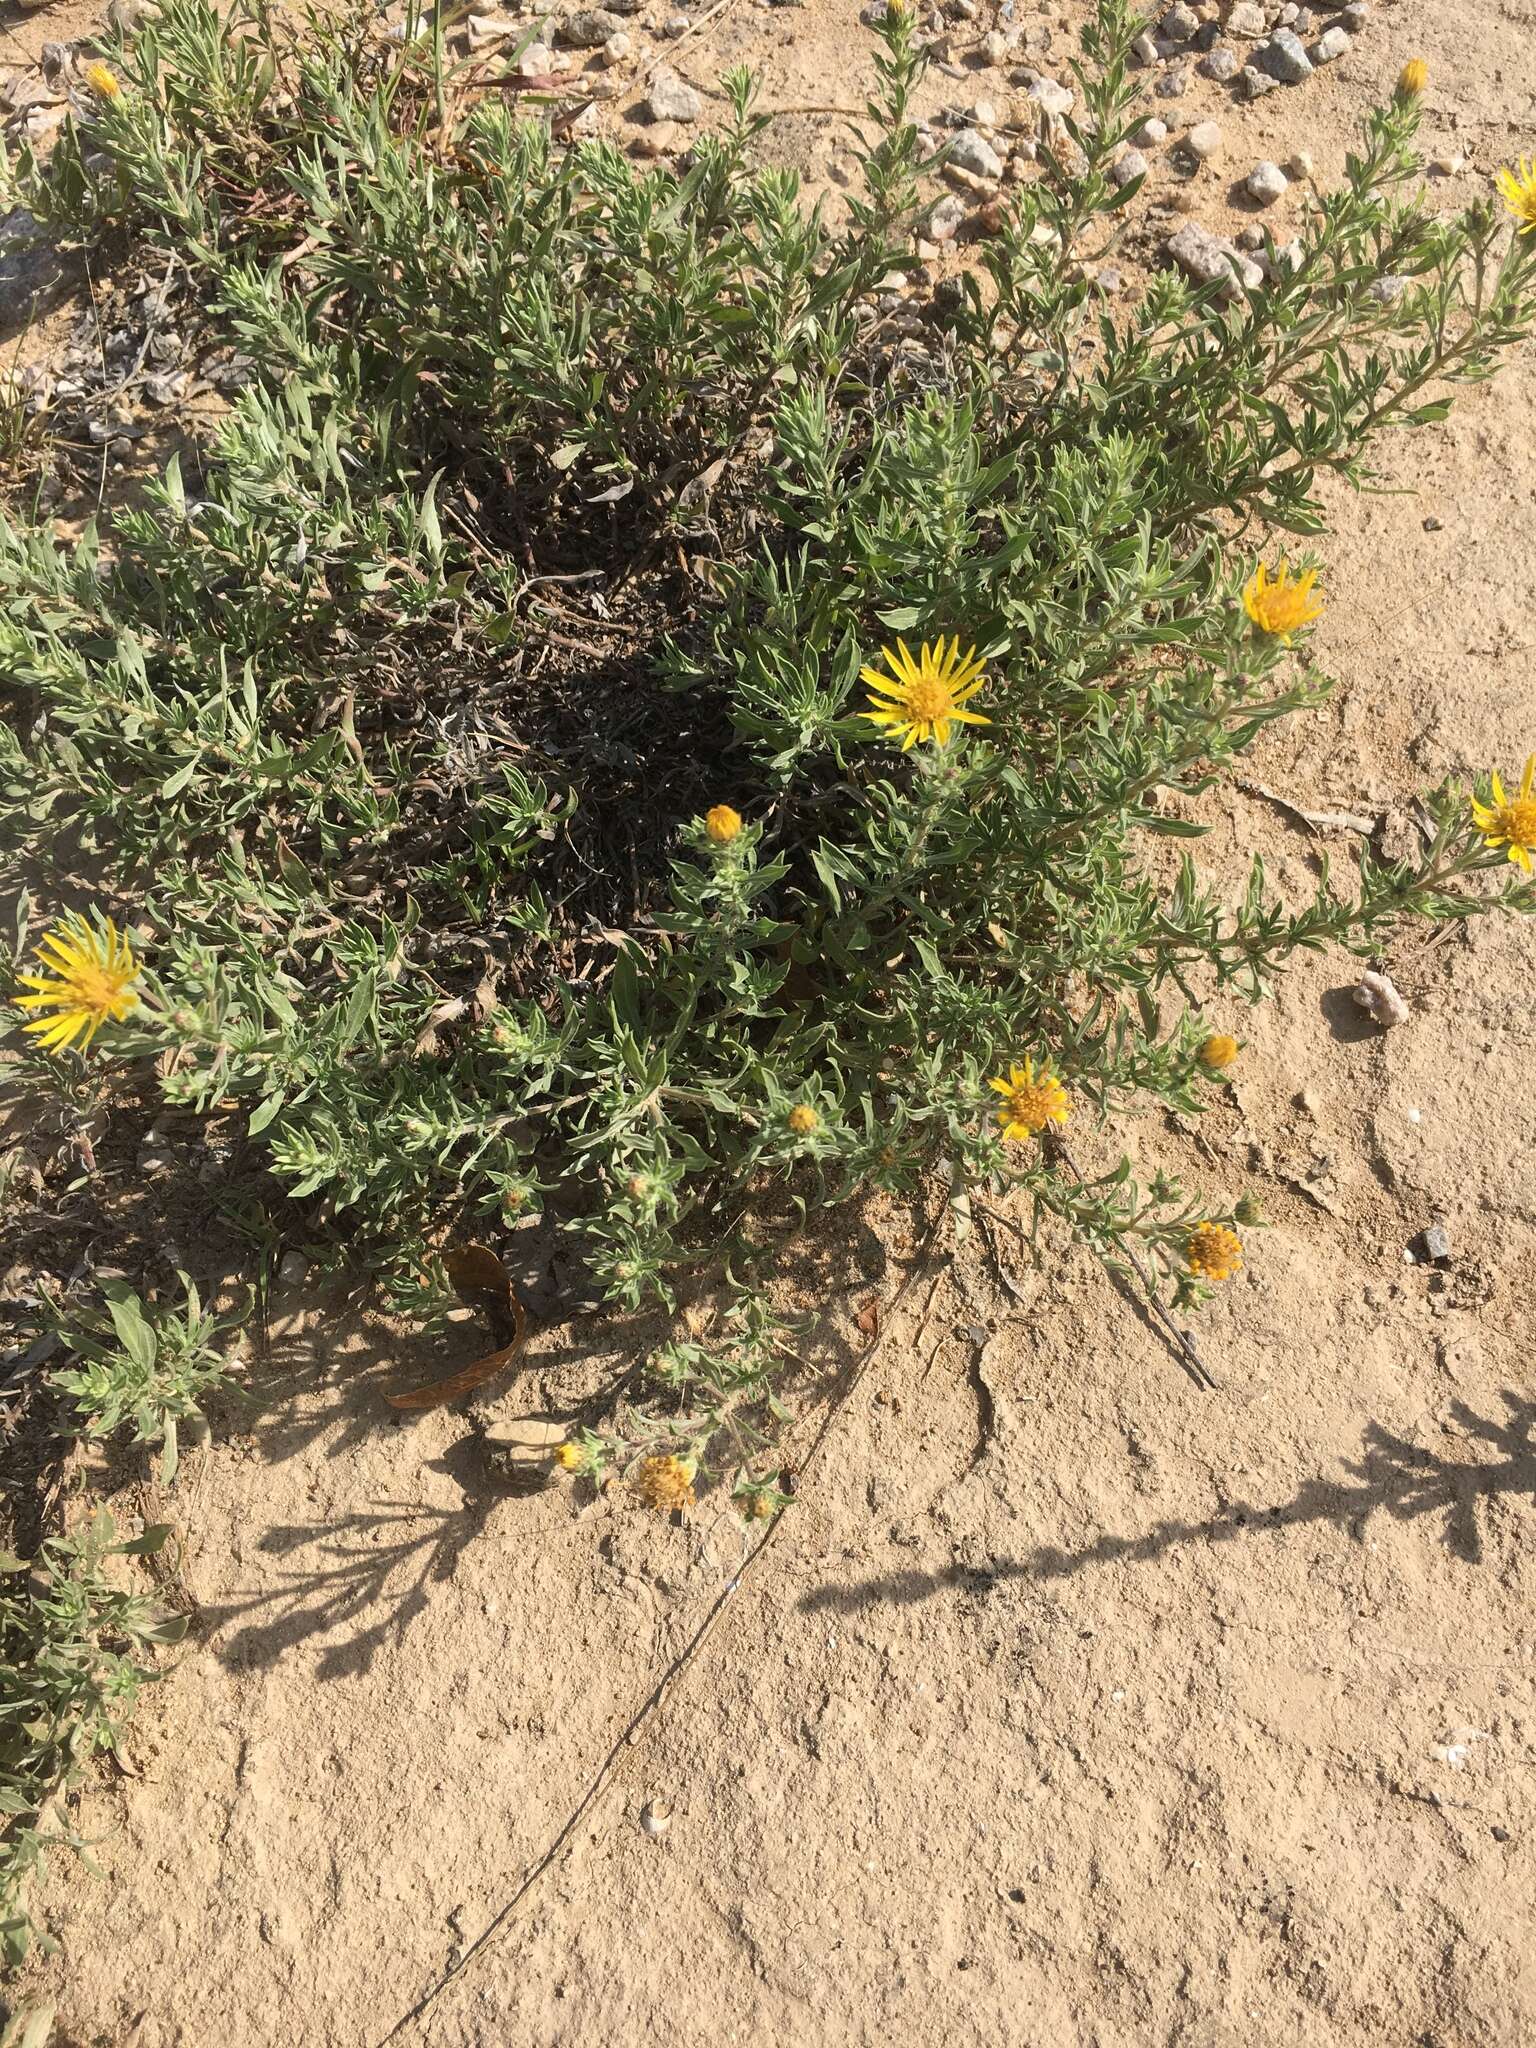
point(481, 1279)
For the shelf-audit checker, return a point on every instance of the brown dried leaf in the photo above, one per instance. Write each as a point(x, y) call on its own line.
point(476, 1269)
point(478, 1276)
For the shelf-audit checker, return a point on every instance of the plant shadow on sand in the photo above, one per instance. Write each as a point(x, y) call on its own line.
point(354, 1583)
point(376, 1569)
point(1393, 1476)
point(361, 1579)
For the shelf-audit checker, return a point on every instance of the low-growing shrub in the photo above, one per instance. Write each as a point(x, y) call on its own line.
point(617, 728)
point(152, 1369)
point(74, 1653)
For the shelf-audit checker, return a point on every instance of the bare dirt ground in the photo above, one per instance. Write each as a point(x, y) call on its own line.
point(1071, 1705)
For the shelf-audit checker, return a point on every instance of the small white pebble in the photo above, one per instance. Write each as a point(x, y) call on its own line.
point(1266, 182)
point(1203, 140)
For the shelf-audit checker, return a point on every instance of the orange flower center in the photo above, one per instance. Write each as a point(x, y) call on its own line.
point(929, 701)
point(1031, 1106)
point(1213, 1251)
point(99, 992)
point(1516, 822)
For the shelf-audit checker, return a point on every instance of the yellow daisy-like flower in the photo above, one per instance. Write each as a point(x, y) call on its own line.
point(1518, 189)
point(1212, 1251)
point(722, 824)
point(1413, 78)
point(1217, 1052)
point(102, 80)
point(88, 972)
point(1281, 604)
point(665, 1483)
point(922, 698)
point(569, 1457)
point(1030, 1101)
point(1511, 822)
point(803, 1120)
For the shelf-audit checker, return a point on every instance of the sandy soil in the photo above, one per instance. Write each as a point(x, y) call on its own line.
point(1071, 1705)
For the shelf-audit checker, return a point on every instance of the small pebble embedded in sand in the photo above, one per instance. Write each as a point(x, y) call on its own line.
point(1203, 140)
point(1266, 183)
point(1376, 995)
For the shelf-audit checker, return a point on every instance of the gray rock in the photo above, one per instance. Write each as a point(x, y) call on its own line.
point(27, 265)
point(1281, 260)
point(1180, 24)
point(102, 431)
point(672, 99)
point(1203, 141)
point(675, 25)
point(1128, 167)
point(1208, 259)
point(1285, 59)
point(1298, 164)
point(19, 91)
point(1437, 1244)
point(618, 46)
point(1266, 183)
point(589, 28)
point(1144, 49)
point(1222, 64)
point(944, 218)
point(1301, 21)
point(1174, 83)
point(1331, 45)
point(485, 29)
point(972, 152)
point(1052, 96)
point(1386, 291)
point(1256, 83)
point(1150, 133)
point(1248, 20)
point(1355, 15)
